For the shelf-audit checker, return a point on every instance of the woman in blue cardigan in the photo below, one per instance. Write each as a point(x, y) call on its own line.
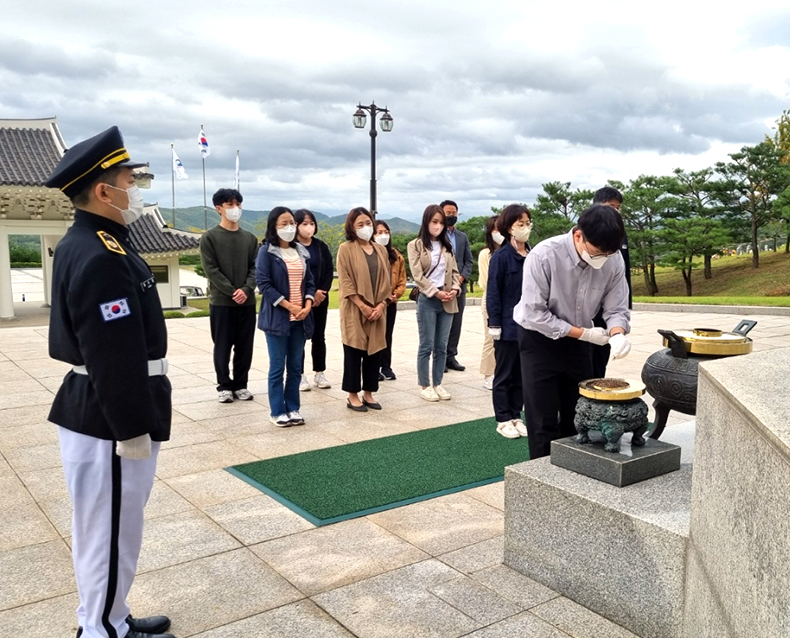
point(283, 277)
point(502, 294)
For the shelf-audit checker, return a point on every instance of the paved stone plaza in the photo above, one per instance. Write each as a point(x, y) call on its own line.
point(223, 559)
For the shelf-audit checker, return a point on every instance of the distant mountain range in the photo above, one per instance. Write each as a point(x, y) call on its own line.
point(193, 218)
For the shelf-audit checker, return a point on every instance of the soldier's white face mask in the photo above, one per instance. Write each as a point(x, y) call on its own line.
point(135, 205)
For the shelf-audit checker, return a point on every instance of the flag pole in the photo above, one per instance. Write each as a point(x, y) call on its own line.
point(205, 213)
point(173, 182)
point(238, 177)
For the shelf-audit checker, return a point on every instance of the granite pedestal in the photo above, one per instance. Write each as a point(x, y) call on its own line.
point(630, 465)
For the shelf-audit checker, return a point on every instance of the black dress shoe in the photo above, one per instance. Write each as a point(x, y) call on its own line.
point(136, 634)
point(356, 408)
point(453, 364)
point(381, 376)
point(149, 625)
point(388, 375)
point(373, 405)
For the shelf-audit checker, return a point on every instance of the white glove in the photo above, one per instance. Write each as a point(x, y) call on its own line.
point(621, 346)
point(134, 449)
point(495, 333)
point(597, 336)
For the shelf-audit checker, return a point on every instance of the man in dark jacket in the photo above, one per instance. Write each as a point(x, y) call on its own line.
point(463, 257)
point(113, 409)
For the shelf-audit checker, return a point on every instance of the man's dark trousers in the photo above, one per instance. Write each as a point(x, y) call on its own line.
point(550, 372)
point(455, 329)
point(232, 327)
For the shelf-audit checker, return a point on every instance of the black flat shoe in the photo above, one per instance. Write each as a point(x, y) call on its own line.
point(356, 408)
point(373, 405)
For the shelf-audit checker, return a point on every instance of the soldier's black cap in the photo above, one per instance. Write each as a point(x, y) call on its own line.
point(84, 162)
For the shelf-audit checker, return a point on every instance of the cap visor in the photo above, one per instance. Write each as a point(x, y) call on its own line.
point(131, 164)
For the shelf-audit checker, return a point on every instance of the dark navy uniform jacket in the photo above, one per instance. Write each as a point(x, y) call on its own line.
point(106, 315)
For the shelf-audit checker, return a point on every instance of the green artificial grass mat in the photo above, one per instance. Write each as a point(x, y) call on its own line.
point(347, 481)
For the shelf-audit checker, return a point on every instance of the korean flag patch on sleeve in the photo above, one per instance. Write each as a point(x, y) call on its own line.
point(117, 309)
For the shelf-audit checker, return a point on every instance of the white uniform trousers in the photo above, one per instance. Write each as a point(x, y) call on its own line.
point(108, 495)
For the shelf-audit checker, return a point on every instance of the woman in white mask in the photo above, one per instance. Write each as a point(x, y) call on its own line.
point(383, 237)
point(503, 292)
point(286, 283)
point(494, 240)
point(436, 275)
point(363, 272)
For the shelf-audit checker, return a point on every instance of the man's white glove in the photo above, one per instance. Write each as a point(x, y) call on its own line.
point(495, 333)
point(597, 336)
point(134, 449)
point(621, 346)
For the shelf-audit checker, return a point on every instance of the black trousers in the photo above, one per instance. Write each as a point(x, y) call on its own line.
point(318, 342)
point(507, 392)
point(600, 354)
point(551, 371)
point(386, 354)
point(232, 328)
point(353, 360)
point(455, 330)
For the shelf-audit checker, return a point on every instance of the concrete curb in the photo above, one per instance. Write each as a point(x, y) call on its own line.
point(719, 310)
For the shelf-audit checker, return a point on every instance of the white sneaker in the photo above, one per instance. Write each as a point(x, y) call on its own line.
point(225, 396)
point(304, 385)
point(488, 382)
point(321, 382)
point(507, 429)
point(520, 427)
point(429, 394)
point(282, 421)
point(295, 418)
point(443, 394)
point(243, 395)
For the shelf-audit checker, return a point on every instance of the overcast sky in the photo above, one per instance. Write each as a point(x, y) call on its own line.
point(489, 99)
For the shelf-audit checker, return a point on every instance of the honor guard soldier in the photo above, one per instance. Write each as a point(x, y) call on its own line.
point(113, 408)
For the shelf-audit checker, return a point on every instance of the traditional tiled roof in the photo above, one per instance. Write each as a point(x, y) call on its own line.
point(150, 234)
point(27, 155)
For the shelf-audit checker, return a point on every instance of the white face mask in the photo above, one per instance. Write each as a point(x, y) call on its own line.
point(365, 233)
point(497, 237)
point(233, 214)
point(596, 262)
point(521, 233)
point(135, 205)
point(382, 240)
point(287, 233)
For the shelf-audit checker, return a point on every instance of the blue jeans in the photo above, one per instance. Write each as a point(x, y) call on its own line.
point(434, 324)
point(285, 357)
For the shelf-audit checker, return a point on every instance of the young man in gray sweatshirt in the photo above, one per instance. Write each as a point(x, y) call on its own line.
point(228, 253)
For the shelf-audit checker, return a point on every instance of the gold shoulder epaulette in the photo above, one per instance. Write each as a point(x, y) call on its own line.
point(110, 242)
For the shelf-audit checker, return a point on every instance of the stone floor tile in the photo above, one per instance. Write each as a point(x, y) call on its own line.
point(205, 489)
point(44, 367)
point(164, 501)
point(194, 394)
point(492, 494)
point(513, 586)
point(525, 625)
point(443, 524)
point(476, 557)
point(51, 618)
point(24, 525)
point(16, 417)
point(236, 425)
point(577, 621)
point(37, 457)
point(12, 492)
point(28, 435)
point(211, 592)
point(336, 555)
point(58, 511)
point(302, 619)
point(188, 433)
point(371, 427)
point(179, 538)
point(19, 399)
point(475, 600)
point(37, 572)
point(214, 409)
point(200, 457)
point(257, 519)
point(398, 599)
point(282, 441)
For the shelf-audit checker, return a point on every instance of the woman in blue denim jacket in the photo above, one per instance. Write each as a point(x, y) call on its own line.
point(283, 277)
point(502, 294)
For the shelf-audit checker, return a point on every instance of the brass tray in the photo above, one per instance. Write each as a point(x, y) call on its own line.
point(602, 390)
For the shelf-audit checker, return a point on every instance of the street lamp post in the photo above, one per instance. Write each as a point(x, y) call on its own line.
point(386, 126)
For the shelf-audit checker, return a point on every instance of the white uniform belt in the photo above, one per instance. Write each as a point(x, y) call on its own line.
point(156, 367)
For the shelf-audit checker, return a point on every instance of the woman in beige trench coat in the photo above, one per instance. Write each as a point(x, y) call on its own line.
point(363, 272)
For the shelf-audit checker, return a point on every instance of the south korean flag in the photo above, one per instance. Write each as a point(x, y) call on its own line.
point(117, 309)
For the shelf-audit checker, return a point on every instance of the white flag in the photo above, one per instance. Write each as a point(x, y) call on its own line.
point(178, 167)
point(205, 151)
point(236, 178)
